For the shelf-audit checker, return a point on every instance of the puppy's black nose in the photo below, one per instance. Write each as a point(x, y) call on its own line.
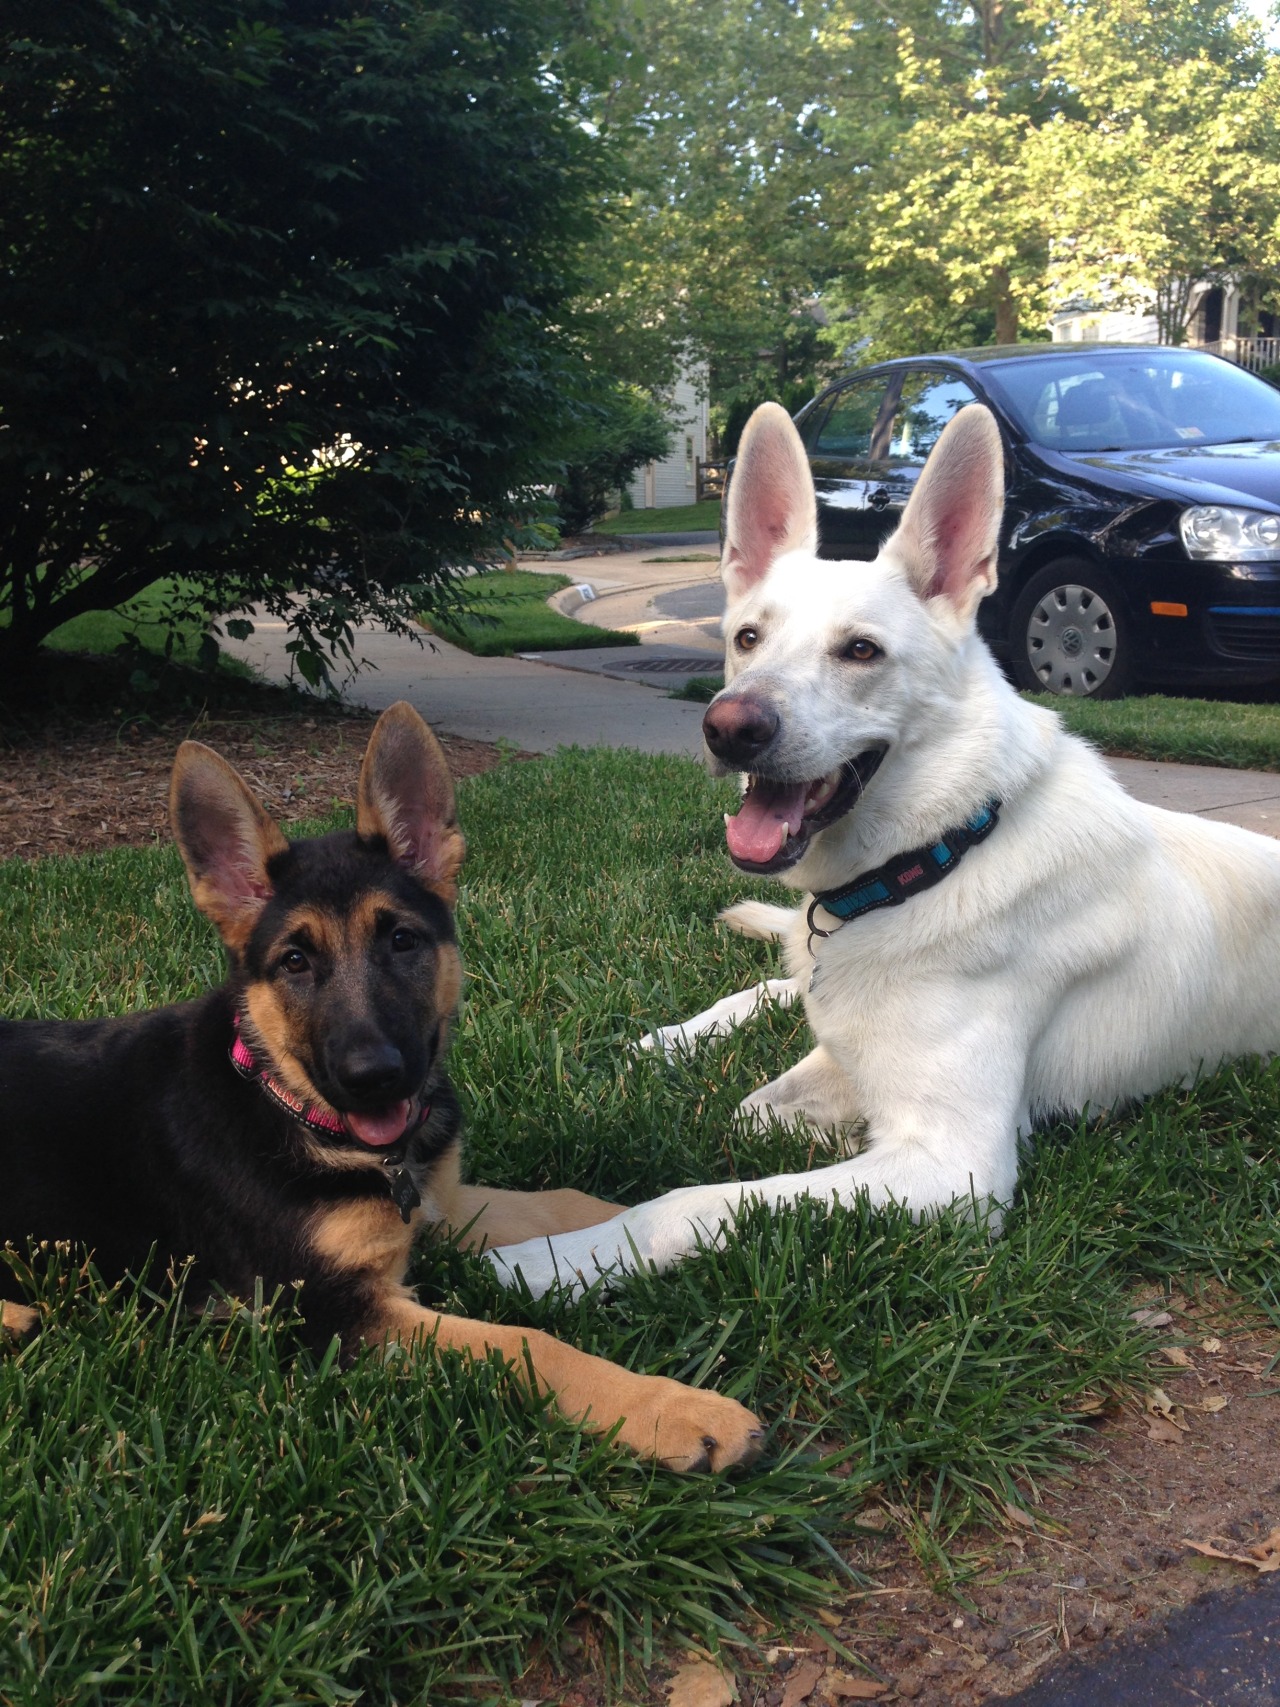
point(370, 1070)
point(738, 730)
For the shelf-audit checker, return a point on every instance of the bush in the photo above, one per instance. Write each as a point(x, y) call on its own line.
point(281, 293)
point(624, 429)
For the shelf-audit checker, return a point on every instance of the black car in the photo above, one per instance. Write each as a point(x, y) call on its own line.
point(1141, 538)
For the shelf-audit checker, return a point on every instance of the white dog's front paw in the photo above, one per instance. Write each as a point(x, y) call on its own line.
point(720, 1019)
point(655, 1234)
point(573, 1261)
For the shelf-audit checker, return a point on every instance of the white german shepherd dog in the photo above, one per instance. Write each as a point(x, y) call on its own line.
point(992, 931)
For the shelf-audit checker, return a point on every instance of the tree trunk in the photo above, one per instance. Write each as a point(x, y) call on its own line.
point(1006, 308)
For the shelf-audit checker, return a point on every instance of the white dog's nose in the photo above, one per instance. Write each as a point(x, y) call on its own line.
point(738, 728)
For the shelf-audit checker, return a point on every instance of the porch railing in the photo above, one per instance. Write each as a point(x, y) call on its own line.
point(1253, 353)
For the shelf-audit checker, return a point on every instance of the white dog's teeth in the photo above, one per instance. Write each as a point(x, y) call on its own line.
point(726, 819)
point(822, 791)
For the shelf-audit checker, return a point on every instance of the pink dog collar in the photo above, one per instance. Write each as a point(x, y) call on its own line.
point(320, 1119)
point(400, 1182)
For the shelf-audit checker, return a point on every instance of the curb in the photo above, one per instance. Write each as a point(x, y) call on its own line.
point(570, 600)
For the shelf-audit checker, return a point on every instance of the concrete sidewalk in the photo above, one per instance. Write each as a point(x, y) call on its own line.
point(593, 698)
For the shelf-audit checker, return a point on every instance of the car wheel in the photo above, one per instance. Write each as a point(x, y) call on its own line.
point(1069, 634)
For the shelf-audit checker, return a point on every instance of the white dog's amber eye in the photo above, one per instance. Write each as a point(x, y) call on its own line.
point(746, 638)
point(860, 651)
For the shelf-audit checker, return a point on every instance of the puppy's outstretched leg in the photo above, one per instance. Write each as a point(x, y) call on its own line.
point(683, 1428)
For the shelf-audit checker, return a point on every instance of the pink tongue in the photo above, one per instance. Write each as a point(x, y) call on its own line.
point(770, 812)
point(379, 1128)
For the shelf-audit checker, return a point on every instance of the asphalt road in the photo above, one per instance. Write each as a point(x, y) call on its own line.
point(1221, 1651)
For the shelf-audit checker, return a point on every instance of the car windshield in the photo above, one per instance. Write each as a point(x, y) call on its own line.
point(1135, 400)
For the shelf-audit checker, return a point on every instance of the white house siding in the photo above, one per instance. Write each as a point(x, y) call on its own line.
point(662, 485)
point(1103, 326)
point(1087, 323)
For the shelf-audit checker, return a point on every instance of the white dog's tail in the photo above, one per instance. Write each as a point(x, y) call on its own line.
point(758, 919)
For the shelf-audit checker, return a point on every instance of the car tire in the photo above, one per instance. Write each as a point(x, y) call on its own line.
point(1069, 633)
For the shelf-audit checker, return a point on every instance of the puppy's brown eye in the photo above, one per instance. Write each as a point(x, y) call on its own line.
point(746, 638)
point(402, 940)
point(860, 651)
point(294, 962)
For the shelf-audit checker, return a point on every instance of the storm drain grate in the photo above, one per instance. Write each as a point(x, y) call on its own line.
point(703, 666)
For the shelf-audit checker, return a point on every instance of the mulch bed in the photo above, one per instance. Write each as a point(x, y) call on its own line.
point(79, 785)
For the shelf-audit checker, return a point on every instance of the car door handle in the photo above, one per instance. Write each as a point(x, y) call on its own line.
point(881, 498)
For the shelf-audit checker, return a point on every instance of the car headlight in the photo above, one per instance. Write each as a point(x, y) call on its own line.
point(1218, 533)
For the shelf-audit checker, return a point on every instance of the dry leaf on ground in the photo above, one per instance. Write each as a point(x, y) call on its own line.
point(802, 1682)
point(1151, 1318)
point(1166, 1433)
point(1262, 1558)
point(846, 1688)
point(1017, 1515)
point(1174, 1354)
point(1160, 1409)
point(1215, 1402)
point(700, 1685)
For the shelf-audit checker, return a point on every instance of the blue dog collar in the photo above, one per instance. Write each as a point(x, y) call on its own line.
point(905, 875)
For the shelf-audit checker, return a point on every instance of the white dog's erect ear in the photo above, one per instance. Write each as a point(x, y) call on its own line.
point(950, 528)
point(771, 507)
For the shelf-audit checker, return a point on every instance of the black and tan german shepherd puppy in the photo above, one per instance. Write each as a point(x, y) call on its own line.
point(296, 1124)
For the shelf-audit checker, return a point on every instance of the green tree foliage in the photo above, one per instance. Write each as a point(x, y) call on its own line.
point(714, 249)
point(947, 241)
point(1168, 175)
point(931, 173)
point(279, 296)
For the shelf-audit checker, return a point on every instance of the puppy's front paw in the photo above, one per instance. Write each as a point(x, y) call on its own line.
point(687, 1430)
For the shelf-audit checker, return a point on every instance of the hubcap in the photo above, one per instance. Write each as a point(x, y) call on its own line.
point(1071, 641)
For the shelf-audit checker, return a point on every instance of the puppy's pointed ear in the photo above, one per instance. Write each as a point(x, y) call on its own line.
point(947, 538)
point(406, 796)
point(772, 508)
point(226, 839)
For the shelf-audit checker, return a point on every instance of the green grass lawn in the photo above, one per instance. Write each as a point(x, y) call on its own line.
point(203, 1513)
point(1191, 731)
point(506, 611)
point(102, 631)
point(680, 518)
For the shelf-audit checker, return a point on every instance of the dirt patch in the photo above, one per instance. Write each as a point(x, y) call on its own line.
point(80, 785)
point(1105, 1550)
point(1101, 1551)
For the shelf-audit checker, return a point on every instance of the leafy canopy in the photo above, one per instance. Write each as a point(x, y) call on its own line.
point(923, 174)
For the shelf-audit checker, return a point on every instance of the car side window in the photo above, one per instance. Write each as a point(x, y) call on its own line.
point(856, 420)
point(929, 399)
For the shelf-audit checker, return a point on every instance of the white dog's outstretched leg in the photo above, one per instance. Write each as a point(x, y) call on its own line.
point(937, 1139)
point(721, 1018)
point(662, 1231)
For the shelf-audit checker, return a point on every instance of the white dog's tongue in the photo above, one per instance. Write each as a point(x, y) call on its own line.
point(770, 813)
point(380, 1128)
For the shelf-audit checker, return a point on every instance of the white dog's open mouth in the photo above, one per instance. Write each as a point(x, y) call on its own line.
point(778, 819)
